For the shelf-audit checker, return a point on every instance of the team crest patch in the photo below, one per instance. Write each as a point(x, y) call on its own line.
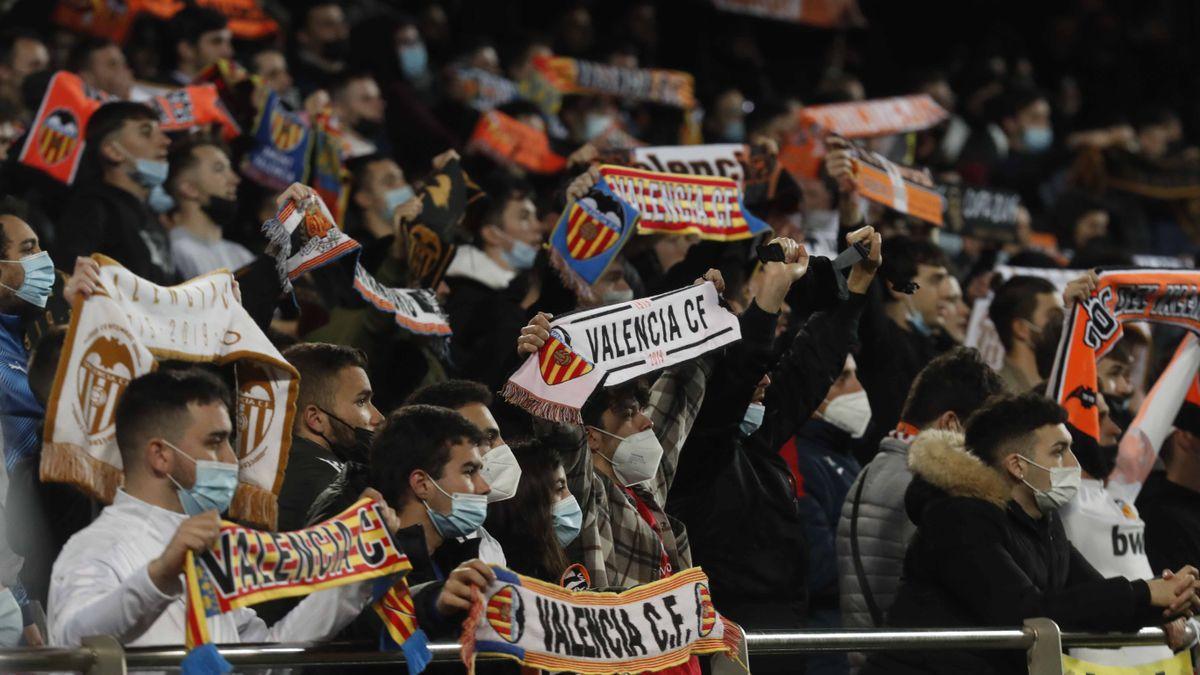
point(708, 613)
point(505, 613)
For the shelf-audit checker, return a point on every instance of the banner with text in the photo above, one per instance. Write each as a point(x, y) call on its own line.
point(668, 203)
point(653, 85)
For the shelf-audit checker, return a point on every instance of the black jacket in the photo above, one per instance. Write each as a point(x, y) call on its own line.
point(1172, 515)
point(736, 495)
point(486, 324)
point(310, 469)
point(104, 219)
point(340, 493)
point(978, 560)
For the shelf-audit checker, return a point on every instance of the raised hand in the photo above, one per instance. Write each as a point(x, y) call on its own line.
point(84, 280)
point(534, 335)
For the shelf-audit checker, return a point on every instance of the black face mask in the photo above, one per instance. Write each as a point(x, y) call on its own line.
point(369, 128)
point(338, 50)
point(1118, 410)
point(222, 211)
point(1098, 461)
point(357, 451)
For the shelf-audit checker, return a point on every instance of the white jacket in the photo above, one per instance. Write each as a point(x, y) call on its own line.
point(100, 586)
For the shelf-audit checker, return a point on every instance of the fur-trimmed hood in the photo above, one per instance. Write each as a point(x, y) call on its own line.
point(940, 459)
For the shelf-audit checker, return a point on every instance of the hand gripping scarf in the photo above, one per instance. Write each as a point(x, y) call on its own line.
point(647, 628)
point(246, 566)
point(1094, 326)
point(119, 334)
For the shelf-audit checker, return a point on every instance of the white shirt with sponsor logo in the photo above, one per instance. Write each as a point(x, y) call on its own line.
point(1108, 532)
point(100, 586)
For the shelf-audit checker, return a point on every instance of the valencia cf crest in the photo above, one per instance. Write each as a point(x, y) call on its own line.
point(58, 136)
point(105, 370)
point(505, 613)
point(286, 133)
point(255, 407)
point(594, 225)
point(707, 613)
point(559, 364)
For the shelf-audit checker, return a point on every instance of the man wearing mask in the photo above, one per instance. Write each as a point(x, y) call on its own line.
point(322, 45)
point(102, 65)
point(986, 508)
point(489, 281)
point(22, 53)
point(377, 188)
point(113, 211)
point(272, 67)
point(726, 122)
point(359, 106)
point(1020, 311)
point(122, 575)
point(203, 184)
point(201, 37)
point(335, 421)
point(1014, 150)
point(1170, 504)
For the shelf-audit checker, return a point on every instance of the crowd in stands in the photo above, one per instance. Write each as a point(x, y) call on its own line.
point(884, 446)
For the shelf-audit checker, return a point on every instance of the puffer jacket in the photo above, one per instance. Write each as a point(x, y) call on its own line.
point(877, 538)
point(979, 560)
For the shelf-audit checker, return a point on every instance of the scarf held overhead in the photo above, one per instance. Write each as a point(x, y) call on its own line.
point(279, 156)
point(676, 204)
point(119, 334)
point(506, 139)
point(245, 567)
point(648, 628)
point(1094, 326)
point(884, 182)
point(55, 142)
point(653, 85)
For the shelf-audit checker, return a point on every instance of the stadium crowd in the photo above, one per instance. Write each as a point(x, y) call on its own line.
point(887, 444)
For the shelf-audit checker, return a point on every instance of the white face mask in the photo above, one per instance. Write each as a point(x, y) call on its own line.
point(502, 473)
point(636, 459)
point(1064, 484)
point(849, 412)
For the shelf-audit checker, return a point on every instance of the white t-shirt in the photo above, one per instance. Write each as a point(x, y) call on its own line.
point(1107, 531)
point(194, 256)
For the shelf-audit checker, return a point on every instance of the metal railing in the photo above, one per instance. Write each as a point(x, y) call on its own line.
point(1041, 639)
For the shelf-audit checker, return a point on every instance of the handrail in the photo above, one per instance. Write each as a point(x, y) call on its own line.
point(90, 659)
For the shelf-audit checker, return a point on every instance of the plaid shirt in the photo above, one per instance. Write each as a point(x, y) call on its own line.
point(619, 548)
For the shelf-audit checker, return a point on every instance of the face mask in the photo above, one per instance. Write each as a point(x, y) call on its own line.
point(337, 50)
point(1037, 139)
point(393, 199)
point(568, 518)
point(414, 61)
point(918, 323)
point(752, 419)
point(148, 173)
point(220, 210)
point(357, 451)
point(849, 412)
point(159, 200)
point(39, 278)
point(467, 513)
point(520, 256)
point(369, 128)
point(950, 242)
point(734, 131)
point(501, 471)
point(636, 459)
point(595, 124)
point(215, 484)
point(612, 297)
point(1064, 483)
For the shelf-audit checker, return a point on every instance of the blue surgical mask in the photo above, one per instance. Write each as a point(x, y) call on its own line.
point(734, 131)
point(521, 256)
point(216, 482)
point(414, 61)
point(595, 124)
point(467, 513)
point(393, 199)
point(753, 419)
point(614, 296)
point(568, 518)
point(159, 200)
point(39, 278)
point(147, 172)
point(1037, 139)
point(917, 321)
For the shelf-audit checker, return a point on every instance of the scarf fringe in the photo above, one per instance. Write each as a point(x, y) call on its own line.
point(67, 463)
point(416, 652)
point(467, 639)
point(539, 407)
point(205, 660)
point(279, 246)
point(735, 639)
point(570, 278)
point(255, 505)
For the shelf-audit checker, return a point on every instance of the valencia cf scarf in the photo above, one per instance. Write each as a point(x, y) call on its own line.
point(122, 332)
point(303, 238)
point(878, 117)
point(677, 204)
point(245, 567)
point(589, 235)
point(823, 13)
point(648, 628)
point(329, 176)
point(197, 105)
point(482, 90)
point(1094, 326)
point(652, 85)
point(896, 187)
point(507, 140)
point(55, 142)
point(281, 144)
point(433, 238)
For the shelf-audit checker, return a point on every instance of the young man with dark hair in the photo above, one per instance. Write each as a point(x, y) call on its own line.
point(122, 575)
point(322, 44)
point(22, 53)
point(102, 65)
point(203, 183)
point(874, 530)
point(199, 38)
point(1021, 308)
point(335, 422)
point(377, 188)
point(360, 108)
point(990, 549)
point(1170, 502)
point(111, 210)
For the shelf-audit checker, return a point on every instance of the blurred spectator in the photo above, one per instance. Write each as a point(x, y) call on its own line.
point(1021, 308)
point(203, 184)
point(199, 37)
point(377, 188)
point(1169, 501)
point(22, 53)
point(271, 65)
point(322, 45)
point(101, 64)
point(360, 108)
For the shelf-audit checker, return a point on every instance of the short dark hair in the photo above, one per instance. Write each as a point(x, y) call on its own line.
point(499, 190)
point(192, 22)
point(902, 257)
point(958, 381)
point(156, 404)
point(80, 55)
point(607, 398)
point(319, 364)
point(43, 362)
point(9, 38)
point(108, 120)
point(452, 394)
point(416, 438)
point(1016, 299)
point(359, 166)
point(1018, 97)
point(338, 87)
point(182, 155)
point(1008, 419)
